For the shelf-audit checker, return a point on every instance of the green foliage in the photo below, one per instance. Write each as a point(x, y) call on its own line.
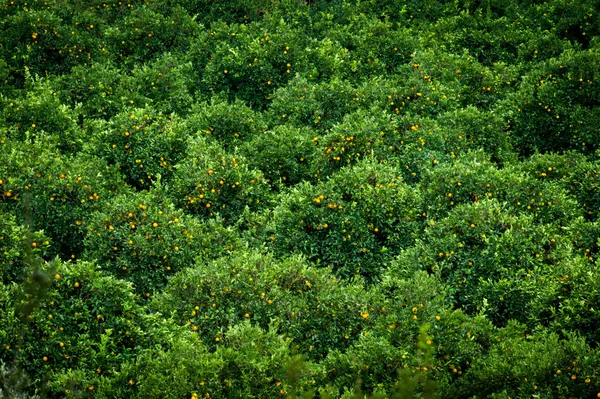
point(43, 41)
point(144, 239)
point(285, 154)
point(142, 142)
point(538, 364)
point(494, 263)
point(556, 106)
point(144, 34)
point(40, 113)
point(58, 193)
point(229, 124)
point(315, 311)
point(15, 238)
point(163, 84)
point(209, 181)
point(101, 90)
point(355, 222)
point(85, 320)
point(250, 363)
point(315, 105)
point(472, 178)
point(237, 11)
point(298, 198)
point(250, 62)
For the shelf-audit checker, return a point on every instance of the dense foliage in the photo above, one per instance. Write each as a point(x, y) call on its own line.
point(324, 198)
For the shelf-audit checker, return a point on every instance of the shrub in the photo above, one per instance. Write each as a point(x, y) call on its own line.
point(249, 62)
point(230, 12)
point(453, 80)
point(285, 154)
point(144, 34)
point(496, 263)
point(539, 364)
point(472, 177)
point(209, 181)
point(58, 192)
point(355, 222)
point(315, 105)
point(39, 113)
point(230, 124)
point(100, 90)
point(472, 129)
point(313, 310)
point(18, 248)
point(144, 239)
point(39, 39)
point(164, 84)
point(544, 121)
point(250, 362)
point(370, 46)
point(84, 321)
point(142, 143)
point(400, 339)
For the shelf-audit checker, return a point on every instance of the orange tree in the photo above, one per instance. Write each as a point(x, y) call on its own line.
point(314, 311)
point(18, 247)
point(524, 365)
point(556, 107)
point(164, 84)
point(493, 262)
point(406, 332)
point(85, 321)
point(229, 123)
point(142, 142)
point(355, 222)
point(35, 36)
point(249, 362)
point(100, 90)
point(249, 62)
point(37, 112)
point(471, 177)
point(210, 181)
point(142, 238)
point(143, 34)
point(317, 105)
point(58, 192)
point(285, 154)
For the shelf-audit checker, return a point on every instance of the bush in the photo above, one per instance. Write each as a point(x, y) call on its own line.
point(40, 113)
point(314, 105)
point(250, 362)
point(400, 340)
point(313, 310)
point(164, 84)
point(496, 263)
point(472, 177)
point(230, 124)
point(285, 154)
point(142, 143)
point(544, 121)
point(355, 222)
point(18, 248)
point(144, 239)
point(249, 62)
point(209, 181)
point(100, 91)
point(472, 129)
point(59, 193)
point(84, 320)
point(45, 42)
point(144, 34)
point(539, 364)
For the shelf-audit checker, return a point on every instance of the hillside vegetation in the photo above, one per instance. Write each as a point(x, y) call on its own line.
point(303, 199)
